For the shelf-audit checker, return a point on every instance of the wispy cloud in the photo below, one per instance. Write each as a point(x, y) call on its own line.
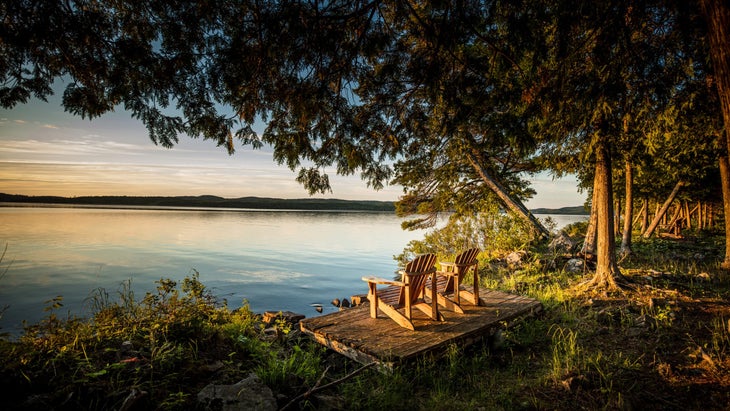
point(60, 148)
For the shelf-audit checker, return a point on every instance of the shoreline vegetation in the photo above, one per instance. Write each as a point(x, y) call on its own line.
point(258, 203)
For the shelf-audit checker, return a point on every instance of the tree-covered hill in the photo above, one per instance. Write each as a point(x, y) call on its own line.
point(242, 202)
point(207, 201)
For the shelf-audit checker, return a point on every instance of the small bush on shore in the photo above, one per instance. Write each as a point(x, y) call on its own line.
point(167, 346)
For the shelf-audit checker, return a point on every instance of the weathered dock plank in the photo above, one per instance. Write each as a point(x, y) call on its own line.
point(354, 334)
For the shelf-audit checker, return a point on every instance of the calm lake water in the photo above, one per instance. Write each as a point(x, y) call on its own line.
point(275, 260)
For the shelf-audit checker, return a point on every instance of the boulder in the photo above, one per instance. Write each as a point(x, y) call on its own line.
point(248, 394)
point(358, 299)
point(562, 244)
point(515, 258)
point(574, 265)
point(287, 316)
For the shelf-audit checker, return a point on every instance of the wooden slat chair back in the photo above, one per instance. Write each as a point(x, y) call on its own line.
point(411, 293)
point(416, 273)
point(454, 272)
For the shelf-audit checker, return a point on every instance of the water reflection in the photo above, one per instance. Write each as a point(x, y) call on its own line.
point(275, 260)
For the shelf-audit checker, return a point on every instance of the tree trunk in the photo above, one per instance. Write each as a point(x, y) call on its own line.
point(673, 221)
point(608, 276)
point(663, 211)
point(700, 216)
point(513, 204)
point(589, 244)
point(645, 215)
point(717, 15)
point(629, 211)
point(725, 181)
point(617, 216)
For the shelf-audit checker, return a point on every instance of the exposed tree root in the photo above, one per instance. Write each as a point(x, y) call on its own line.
point(609, 282)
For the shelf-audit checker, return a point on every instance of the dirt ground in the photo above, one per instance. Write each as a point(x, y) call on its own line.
point(666, 343)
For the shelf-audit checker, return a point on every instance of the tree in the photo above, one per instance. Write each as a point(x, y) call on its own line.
point(717, 16)
point(614, 61)
point(456, 75)
point(209, 69)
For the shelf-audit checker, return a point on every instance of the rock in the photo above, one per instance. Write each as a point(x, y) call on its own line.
point(358, 299)
point(287, 316)
point(515, 258)
point(248, 394)
point(561, 244)
point(702, 357)
point(574, 265)
point(213, 367)
point(328, 402)
point(703, 276)
point(496, 340)
point(345, 303)
point(336, 302)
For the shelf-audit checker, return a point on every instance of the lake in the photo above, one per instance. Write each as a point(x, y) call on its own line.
point(275, 260)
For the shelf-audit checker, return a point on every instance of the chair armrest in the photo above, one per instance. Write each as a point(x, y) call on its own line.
point(446, 264)
point(404, 272)
point(378, 280)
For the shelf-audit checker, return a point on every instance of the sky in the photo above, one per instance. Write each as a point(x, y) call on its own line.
point(46, 151)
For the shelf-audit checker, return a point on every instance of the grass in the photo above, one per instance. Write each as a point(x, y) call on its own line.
point(663, 345)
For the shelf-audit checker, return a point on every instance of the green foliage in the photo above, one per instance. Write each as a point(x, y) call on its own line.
point(278, 368)
point(489, 229)
point(152, 345)
point(566, 352)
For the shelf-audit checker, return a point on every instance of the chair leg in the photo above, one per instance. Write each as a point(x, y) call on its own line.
point(434, 300)
point(408, 312)
point(373, 299)
point(457, 289)
point(476, 284)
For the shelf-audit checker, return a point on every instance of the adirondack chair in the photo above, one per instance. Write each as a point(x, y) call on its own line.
point(454, 272)
point(407, 294)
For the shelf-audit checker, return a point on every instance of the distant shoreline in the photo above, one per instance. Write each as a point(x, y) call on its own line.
point(215, 202)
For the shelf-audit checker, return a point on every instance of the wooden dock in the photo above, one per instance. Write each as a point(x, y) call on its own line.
point(354, 334)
